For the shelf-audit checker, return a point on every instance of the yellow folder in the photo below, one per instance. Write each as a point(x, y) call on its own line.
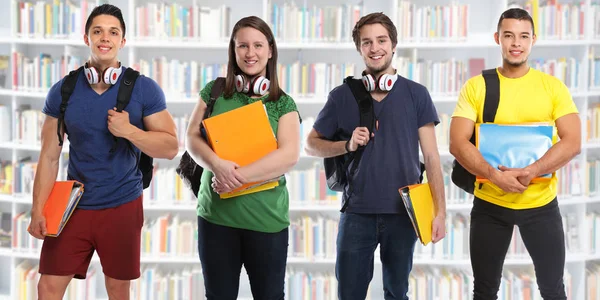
point(243, 135)
point(419, 204)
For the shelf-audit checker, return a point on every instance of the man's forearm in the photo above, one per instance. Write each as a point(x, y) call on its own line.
point(155, 144)
point(556, 157)
point(323, 148)
point(436, 183)
point(472, 160)
point(45, 177)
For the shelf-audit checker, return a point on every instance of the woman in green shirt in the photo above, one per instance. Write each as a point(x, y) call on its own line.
point(252, 229)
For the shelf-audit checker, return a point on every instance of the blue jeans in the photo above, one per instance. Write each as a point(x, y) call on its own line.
point(358, 236)
point(224, 249)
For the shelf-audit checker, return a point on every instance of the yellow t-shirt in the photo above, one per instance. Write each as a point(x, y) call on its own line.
point(534, 97)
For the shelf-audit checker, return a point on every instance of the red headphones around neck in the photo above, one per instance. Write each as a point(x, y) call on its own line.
point(257, 86)
point(384, 83)
point(108, 76)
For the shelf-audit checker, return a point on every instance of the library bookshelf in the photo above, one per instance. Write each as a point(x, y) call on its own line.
point(189, 44)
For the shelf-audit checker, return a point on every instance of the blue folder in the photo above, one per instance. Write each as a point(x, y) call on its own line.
point(514, 145)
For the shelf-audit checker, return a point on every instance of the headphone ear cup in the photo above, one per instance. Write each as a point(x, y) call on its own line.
point(381, 81)
point(368, 82)
point(386, 82)
point(240, 84)
point(91, 74)
point(111, 75)
point(260, 85)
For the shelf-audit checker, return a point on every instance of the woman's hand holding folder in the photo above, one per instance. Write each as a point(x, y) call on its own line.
point(226, 176)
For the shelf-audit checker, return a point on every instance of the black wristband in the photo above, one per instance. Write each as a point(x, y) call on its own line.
point(346, 146)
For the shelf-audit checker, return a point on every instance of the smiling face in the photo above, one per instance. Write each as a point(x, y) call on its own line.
point(105, 39)
point(515, 38)
point(376, 48)
point(252, 51)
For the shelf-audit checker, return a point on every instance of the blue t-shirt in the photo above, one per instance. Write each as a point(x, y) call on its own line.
point(110, 179)
point(391, 158)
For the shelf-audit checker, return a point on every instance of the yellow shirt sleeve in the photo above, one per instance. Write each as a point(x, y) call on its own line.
point(466, 107)
point(562, 101)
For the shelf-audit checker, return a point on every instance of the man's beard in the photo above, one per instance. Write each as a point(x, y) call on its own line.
point(515, 64)
point(384, 67)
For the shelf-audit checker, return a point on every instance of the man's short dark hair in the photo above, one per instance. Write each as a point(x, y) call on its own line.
point(375, 18)
point(105, 9)
point(518, 14)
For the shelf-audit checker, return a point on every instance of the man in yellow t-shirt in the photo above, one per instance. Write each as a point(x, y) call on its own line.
point(526, 95)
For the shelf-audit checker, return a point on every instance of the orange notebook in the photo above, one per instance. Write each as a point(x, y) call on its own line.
point(243, 135)
point(60, 205)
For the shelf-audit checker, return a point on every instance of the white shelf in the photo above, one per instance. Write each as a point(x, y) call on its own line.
point(6, 198)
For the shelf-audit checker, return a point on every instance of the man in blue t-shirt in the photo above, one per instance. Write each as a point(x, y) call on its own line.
point(405, 116)
point(109, 216)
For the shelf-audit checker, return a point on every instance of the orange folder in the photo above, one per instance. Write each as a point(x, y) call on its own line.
point(243, 135)
point(60, 205)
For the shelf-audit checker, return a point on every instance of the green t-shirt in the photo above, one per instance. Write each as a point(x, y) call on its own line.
point(265, 211)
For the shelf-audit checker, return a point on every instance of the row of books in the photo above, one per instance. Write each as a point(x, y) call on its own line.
point(456, 284)
point(424, 283)
point(176, 21)
point(305, 186)
point(593, 123)
point(558, 20)
point(45, 19)
point(592, 281)
point(440, 77)
point(418, 22)
point(311, 23)
point(185, 79)
point(27, 277)
point(28, 124)
point(170, 235)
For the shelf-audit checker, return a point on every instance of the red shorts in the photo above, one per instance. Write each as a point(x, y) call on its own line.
point(114, 232)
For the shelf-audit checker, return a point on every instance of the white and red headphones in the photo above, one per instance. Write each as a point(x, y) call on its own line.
point(385, 82)
point(109, 76)
point(258, 86)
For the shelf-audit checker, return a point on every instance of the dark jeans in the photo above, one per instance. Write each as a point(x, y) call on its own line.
point(358, 236)
point(542, 233)
point(224, 249)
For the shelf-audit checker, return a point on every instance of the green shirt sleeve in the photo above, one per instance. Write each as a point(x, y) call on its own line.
point(285, 105)
point(205, 92)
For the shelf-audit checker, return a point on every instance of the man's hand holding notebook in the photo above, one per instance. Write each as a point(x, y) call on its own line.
point(58, 208)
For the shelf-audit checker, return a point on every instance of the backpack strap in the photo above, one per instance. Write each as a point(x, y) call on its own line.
point(66, 90)
point(215, 92)
point(367, 119)
point(124, 95)
point(492, 95)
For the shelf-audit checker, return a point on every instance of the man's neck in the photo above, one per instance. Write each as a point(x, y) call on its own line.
point(100, 66)
point(389, 70)
point(103, 65)
point(510, 71)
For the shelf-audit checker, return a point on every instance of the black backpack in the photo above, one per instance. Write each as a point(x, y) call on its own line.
point(145, 162)
point(336, 167)
point(460, 176)
point(189, 171)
